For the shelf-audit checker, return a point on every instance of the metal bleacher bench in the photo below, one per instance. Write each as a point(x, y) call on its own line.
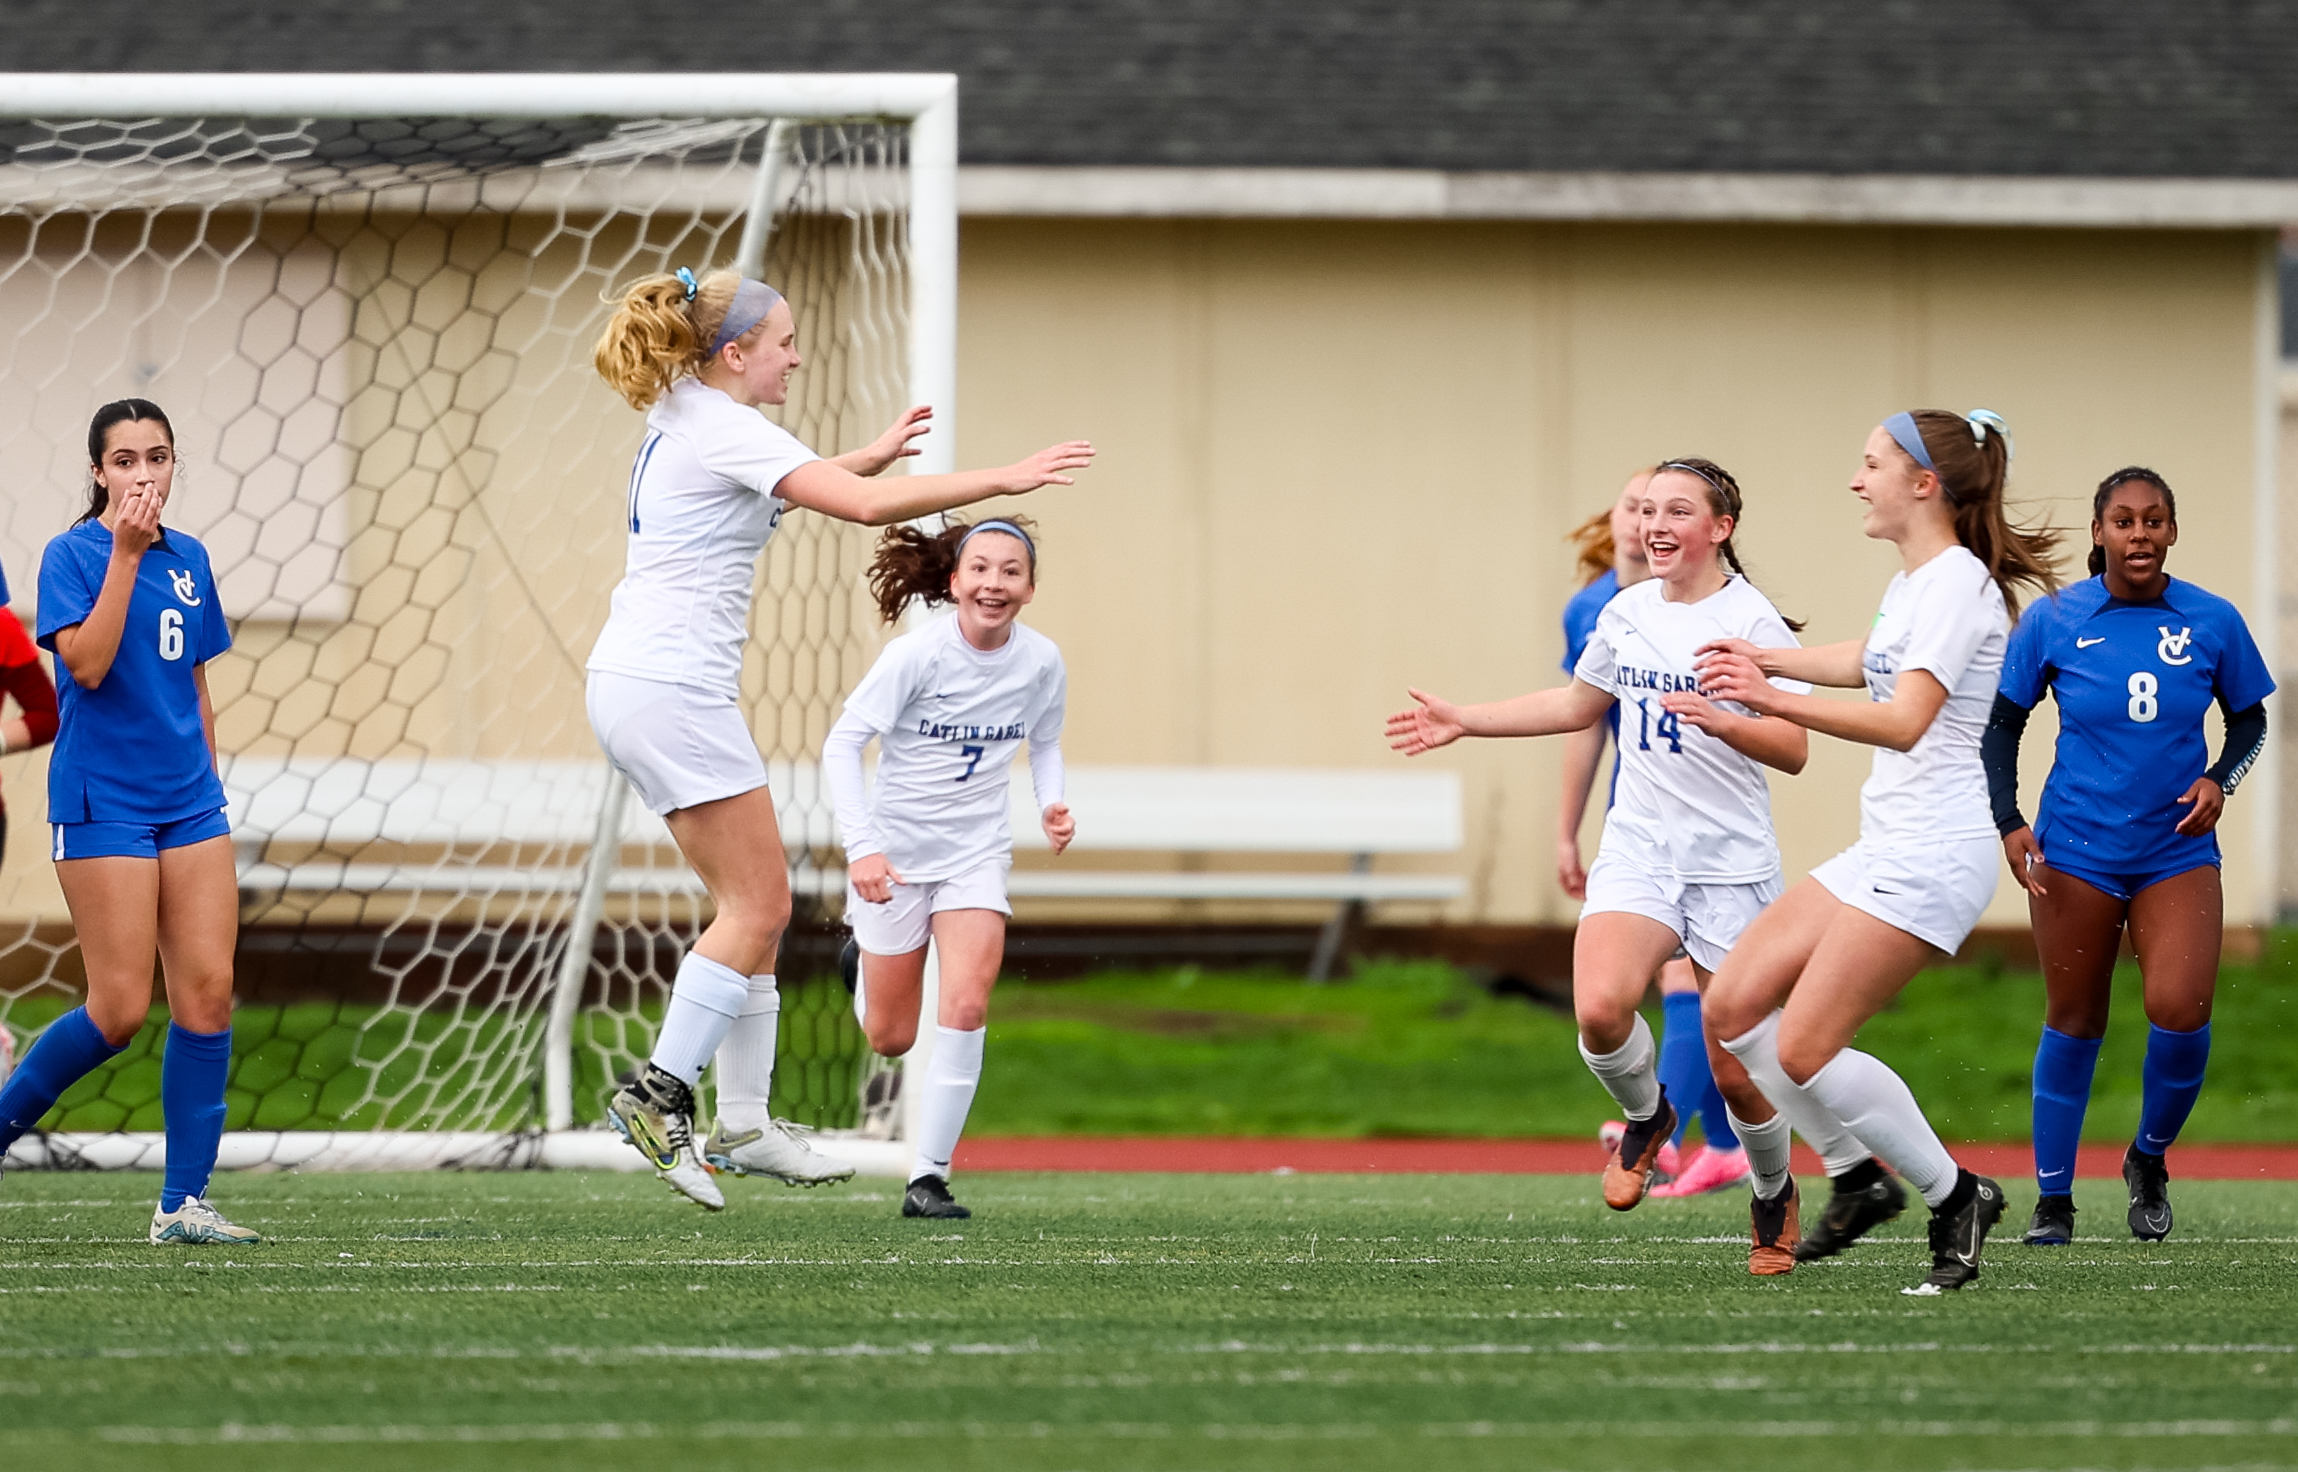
point(304, 825)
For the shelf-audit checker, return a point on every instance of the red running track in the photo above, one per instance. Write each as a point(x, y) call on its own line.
point(1526, 1157)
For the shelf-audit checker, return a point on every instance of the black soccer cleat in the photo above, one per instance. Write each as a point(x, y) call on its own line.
point(1959, 1228)
point(2148, 1177)
point(850, 965)
point(2054, 1223)
point(929, 1196)
point(1862, 1199)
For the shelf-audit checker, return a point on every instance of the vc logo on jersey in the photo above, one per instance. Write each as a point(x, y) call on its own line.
point(187, 588)
point(2173, 646)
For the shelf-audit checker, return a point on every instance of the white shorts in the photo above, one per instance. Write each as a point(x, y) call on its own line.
point(1933, 891)
point(679, 746)
point(904, 923)
point(1707, 918)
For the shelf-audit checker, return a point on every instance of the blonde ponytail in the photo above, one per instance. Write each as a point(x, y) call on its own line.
point(657, 336)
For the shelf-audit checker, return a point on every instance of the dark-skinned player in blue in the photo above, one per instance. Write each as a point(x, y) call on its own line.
point(2126, 835)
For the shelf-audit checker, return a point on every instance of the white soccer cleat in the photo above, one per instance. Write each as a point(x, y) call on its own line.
point(778, 1150)
point(197, 1224)
point(655, 1116)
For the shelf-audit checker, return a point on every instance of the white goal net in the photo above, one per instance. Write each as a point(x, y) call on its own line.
point(373, 335)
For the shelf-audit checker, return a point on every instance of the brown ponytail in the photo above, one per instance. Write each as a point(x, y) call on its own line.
point(1724, 499)
point(656, 336)
point(1973, 470)
point(913, 564)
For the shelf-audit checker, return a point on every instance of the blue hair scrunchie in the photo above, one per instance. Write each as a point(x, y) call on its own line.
point(686, 279)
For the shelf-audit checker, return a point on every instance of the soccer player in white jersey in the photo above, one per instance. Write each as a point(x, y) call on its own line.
point(710, 483)
point(927, 850)
point(1688, 856)
point(1839, 947)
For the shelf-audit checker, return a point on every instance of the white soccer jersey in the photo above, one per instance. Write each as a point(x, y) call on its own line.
point(1947, 618)
point(1686, 800)
point(701, 508)
point(949, 719)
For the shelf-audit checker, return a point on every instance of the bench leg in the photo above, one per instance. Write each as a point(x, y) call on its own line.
point(1345, 918)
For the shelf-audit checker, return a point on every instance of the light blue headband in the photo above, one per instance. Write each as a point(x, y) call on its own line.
point(752, 301)
point(999, 526)
point(1901, 427)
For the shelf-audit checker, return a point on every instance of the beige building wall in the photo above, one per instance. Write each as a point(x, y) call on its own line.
point(1339, 459)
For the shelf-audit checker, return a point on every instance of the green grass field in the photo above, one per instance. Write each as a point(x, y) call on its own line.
point(1163, 1322)
point(1419, 1049)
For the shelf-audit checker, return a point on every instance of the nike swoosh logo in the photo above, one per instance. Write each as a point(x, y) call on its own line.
point(2087, 643)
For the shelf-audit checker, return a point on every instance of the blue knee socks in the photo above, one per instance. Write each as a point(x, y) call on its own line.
point(191, 1095)
point(1684, 1071)
point(2175, 1062)
point(2063, 1069)
point(67, 1052)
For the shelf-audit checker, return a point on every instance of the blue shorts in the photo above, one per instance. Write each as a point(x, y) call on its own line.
point(2123, 886)
point(135, 840)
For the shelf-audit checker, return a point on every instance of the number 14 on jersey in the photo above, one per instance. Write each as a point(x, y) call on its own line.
point(1667, 728)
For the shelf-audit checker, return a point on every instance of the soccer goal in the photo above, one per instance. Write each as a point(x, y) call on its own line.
point(368, 303)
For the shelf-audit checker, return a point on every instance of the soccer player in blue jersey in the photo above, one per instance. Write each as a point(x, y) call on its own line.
point(1612, 557)
point(2126, 836)
point(142, 848)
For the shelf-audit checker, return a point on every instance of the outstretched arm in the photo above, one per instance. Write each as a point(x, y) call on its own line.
point(1897, 723)
point(830, 488)
point(1434, 721)
point(1837, 665)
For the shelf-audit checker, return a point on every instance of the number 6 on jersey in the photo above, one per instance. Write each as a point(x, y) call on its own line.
point(171, 633)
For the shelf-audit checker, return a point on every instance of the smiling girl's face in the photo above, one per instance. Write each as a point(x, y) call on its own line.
point(992, 585)
point(1679, 530)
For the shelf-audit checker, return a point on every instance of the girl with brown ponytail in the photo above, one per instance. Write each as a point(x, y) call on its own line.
point(1837, 948)
point(710, 482)
point(950, 704)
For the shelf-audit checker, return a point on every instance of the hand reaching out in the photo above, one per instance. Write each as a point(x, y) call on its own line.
point(1059, 826)
point(1728, 671)
point(1698, 710)
point(1047, 467)
point(893, 445)
point(1431, 723)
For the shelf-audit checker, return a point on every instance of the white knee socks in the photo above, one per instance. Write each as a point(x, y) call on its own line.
point(704, 1001)
point(1767, 1145)
point(1628, 1072)
point(1875, 1104)
point(950, 1081)
point(1757, 1049)
point(746, 1059)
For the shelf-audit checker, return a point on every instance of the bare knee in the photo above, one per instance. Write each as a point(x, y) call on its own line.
point(968, 1016)
point(2177, 1014)
point(2084, 1017)
point(1606, 1023)
point(117, 1021)
point(1800, 1060)
point(892, 1037)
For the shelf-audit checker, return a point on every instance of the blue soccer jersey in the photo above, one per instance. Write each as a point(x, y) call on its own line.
point(2132, 682)
point(1581, 611)
point(133, 750)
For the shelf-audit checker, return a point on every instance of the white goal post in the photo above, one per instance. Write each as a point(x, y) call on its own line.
point(462, 832)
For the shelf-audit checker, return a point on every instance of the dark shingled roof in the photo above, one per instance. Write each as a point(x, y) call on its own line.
point(2196, 88)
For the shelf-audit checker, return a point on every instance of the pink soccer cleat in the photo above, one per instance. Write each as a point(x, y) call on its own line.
point(1707, 1170)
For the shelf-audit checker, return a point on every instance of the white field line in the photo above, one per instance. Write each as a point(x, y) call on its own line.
point(238, 1433)
point(616, 1354)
